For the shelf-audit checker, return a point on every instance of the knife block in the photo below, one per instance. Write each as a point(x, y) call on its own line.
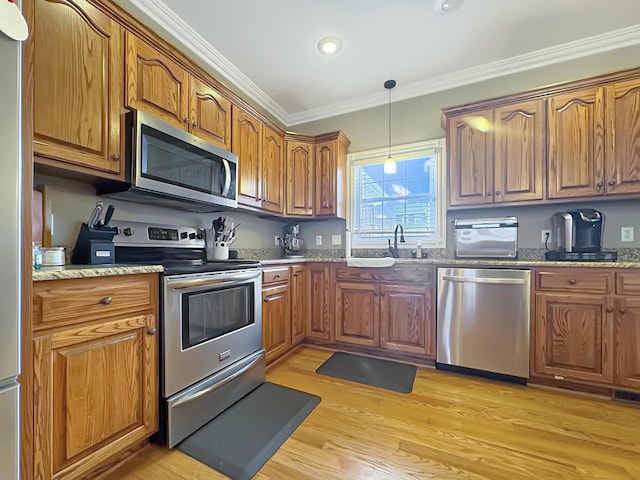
point(94, 246)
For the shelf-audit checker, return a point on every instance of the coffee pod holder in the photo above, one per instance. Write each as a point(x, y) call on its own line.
point(94, 246)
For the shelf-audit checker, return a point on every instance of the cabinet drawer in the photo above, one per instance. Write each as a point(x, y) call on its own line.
point(409, 273)
point(575, 281)
point(628, 283)
point(60, 302)
point(275, 275)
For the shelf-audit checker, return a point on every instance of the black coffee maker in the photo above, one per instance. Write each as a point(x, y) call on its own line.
point(577, 235)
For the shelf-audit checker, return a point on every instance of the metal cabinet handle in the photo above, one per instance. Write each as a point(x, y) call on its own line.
point(106, 300)
point(185, 120)
point(116, 157)
point(375, 294)
point(612, 182)
point(267, 300)
point(622, 310)
point(382, 294)
point(276, 276)
point(573, 281)
point(609, 310)
point(195, 124)
point(152, 331)
point(498, 192)
point(599, 184)
point(489, 194)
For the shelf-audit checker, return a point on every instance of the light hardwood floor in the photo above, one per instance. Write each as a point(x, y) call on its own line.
point(449, 427)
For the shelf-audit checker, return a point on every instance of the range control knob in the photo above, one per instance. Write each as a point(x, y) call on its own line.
point(127, 232)
point(199, 235)
point(183, 235)
point(192, 236)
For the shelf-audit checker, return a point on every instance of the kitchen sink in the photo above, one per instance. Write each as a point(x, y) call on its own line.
point(370, 262)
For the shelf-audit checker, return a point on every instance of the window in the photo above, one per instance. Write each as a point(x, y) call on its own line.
point(413, 196)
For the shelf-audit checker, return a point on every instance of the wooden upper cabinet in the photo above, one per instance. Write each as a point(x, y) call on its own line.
point(574, 337)
point(576, 139)
point(246, 142)
point(627, 339)
point(357, 313)
point(299, 185)
point(622, 172)
point(470, 143)
point(210, 114)
point(156, 84)
point(325, 182)
point(272, 171)
point(519, 139)
point(77, 57)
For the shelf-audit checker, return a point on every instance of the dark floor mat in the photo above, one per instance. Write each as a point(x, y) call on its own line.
point(386, 374)
point(239, 441)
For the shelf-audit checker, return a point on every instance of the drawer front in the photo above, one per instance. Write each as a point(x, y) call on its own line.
point(275, 275)
point(578, 280)
point(83, 299)
point(424, 275)
point(628, 283)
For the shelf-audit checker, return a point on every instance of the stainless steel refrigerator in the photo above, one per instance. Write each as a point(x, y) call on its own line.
point(10, 254)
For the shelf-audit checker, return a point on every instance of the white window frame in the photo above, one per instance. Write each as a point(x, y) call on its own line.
point(403, 152)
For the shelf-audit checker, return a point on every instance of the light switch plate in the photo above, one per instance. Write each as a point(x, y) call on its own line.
point(277, 241)
point(626, 234)
point(318, 239)
point(336, 239)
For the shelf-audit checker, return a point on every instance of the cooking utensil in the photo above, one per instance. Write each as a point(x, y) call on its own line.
point(95, 215)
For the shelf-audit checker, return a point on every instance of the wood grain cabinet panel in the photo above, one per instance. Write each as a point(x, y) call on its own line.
point(77, 57)
point(325, 179)
point(574, 337)
point(300, 305)
point(406, 319)
point(575, 280)
point(623, 135)
point(246, 142)
point(627, 342)
point(470, 143)
point(156, 84)
point(299, 174)
point(96, 393)
point(319, 324)
point(357, 313)
point(276, 321)
point(210, 114)
point(576, 141)
point(519, 151)
point(272, 171)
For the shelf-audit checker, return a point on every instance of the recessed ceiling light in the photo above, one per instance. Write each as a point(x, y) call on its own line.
point(446, 6)
point(329, 45)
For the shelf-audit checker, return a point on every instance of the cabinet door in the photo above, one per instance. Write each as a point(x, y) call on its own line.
point(325, 179)
point(96, 393)
point(357, 313)
point(276, 321)
point(318, 323)
point(574, 337)
point(77, 57)
point(470, 163)
point(156, 84)
point(576, 141)
point(627, 342)
point(299, 179)
point(520, 142)
point(246, 142)
point(273, 171)
point(406, 319)
point(210, 114)
point(623, 134)
point(300, 306)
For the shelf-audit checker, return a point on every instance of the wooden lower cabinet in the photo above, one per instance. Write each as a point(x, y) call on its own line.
point(627, 342)
point(574, 337)
point(357, 313)
point(300, 306)
point(319, 320)
point(276, 321)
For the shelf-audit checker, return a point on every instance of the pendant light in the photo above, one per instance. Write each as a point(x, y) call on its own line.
point(389, 164)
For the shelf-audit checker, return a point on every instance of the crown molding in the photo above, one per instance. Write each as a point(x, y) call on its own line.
point(194, 43)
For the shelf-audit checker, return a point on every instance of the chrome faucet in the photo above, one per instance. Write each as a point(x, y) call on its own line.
point(394, 249)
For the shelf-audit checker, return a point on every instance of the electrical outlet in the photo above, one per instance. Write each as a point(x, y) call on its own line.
point(318, 239)
point(336, 239)
point(277, 241)
point(626, 234)
point(543, 238)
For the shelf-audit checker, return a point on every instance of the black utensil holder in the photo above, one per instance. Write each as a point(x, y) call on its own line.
point(94, 246)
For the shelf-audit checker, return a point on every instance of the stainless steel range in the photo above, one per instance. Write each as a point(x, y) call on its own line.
point(210, 324)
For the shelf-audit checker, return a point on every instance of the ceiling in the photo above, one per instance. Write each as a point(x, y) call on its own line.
point(268, 48)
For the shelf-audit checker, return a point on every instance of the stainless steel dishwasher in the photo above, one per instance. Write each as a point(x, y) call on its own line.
point(483, 321)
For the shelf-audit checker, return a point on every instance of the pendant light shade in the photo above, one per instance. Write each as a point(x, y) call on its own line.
point(389, 164)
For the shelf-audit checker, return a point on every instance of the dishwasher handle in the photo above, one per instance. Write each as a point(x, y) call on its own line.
point(499, 281)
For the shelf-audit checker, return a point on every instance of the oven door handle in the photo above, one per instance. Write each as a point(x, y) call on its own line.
point(213, 282)
point(215, 386)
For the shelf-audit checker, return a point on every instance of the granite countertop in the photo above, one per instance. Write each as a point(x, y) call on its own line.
point(86, 271)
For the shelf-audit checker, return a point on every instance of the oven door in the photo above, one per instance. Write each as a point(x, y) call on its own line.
point(210, 321)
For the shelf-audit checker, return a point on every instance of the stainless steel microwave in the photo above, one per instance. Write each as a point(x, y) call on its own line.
point(170, 167)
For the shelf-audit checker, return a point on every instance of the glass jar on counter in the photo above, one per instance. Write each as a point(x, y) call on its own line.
point(37, 257)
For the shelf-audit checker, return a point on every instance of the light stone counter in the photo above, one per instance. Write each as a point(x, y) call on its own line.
point(86, 271)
